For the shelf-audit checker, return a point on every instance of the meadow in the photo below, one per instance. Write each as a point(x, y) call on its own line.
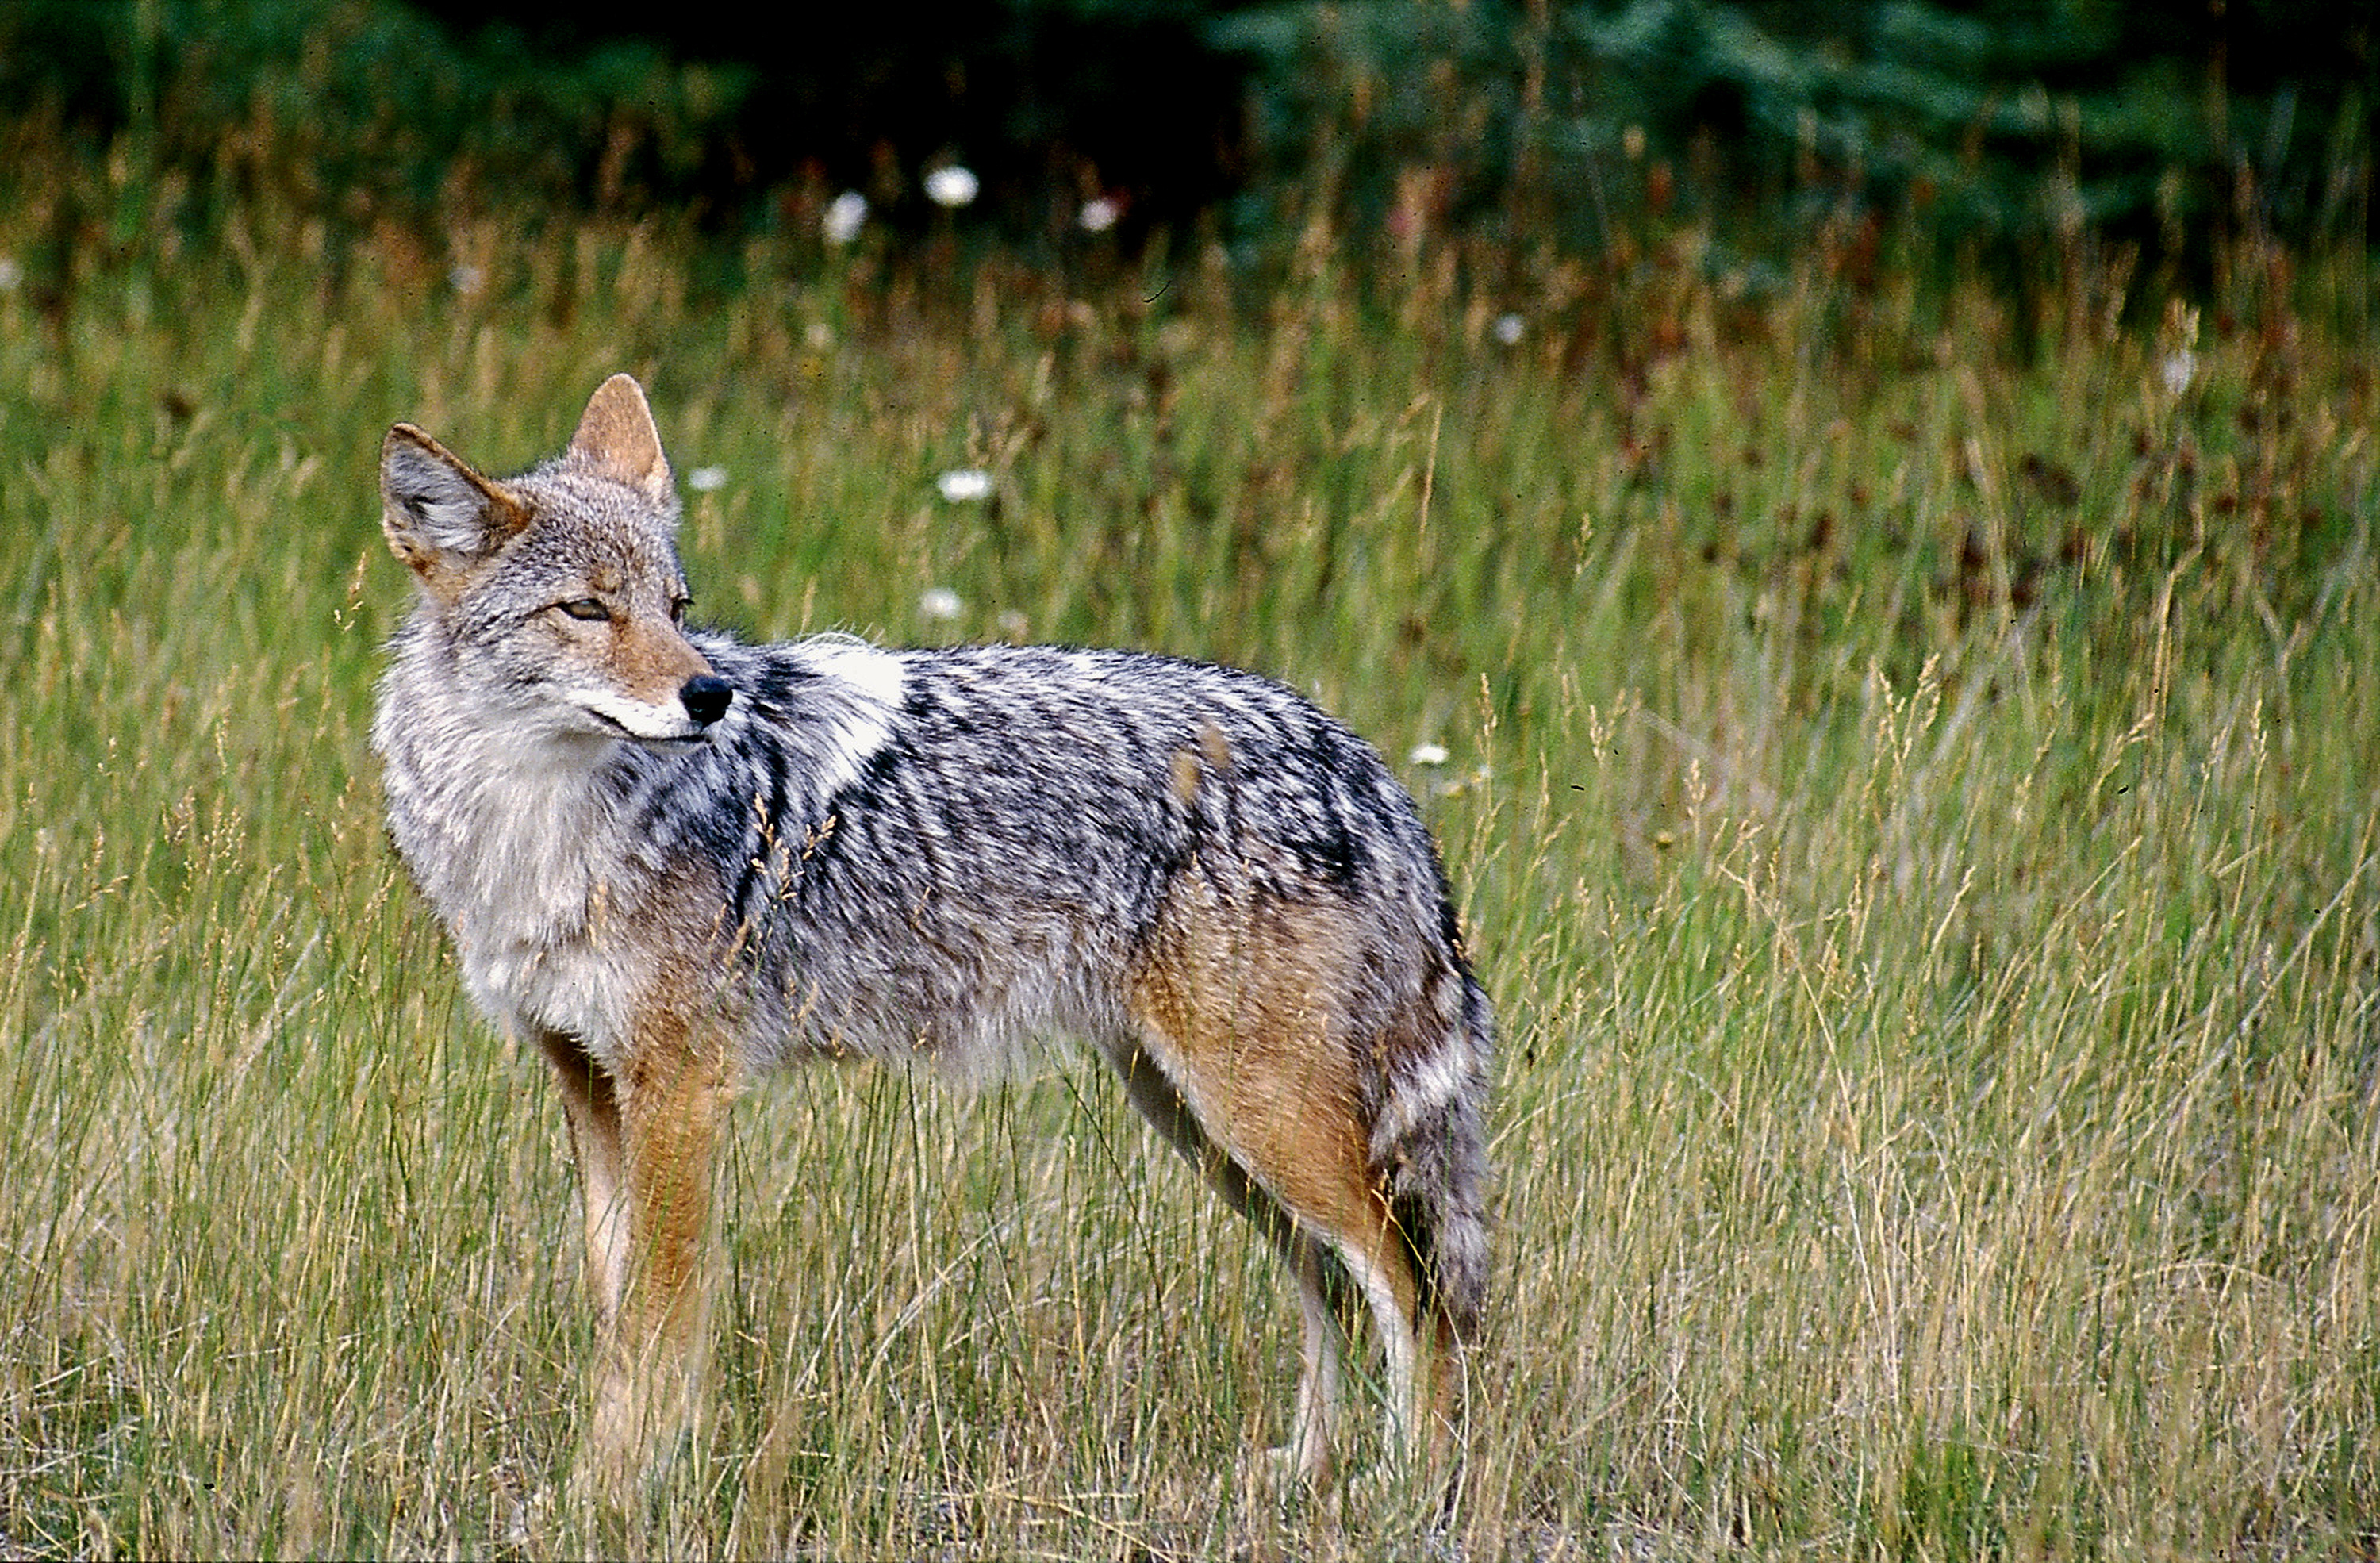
point(1906, 758)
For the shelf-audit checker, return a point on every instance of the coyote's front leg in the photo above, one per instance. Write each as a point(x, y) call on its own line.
point(593, 1109)
point(646, 1141)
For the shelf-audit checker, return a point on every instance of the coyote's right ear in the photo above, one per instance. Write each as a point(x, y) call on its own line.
point(441, 516)
point(616, 437)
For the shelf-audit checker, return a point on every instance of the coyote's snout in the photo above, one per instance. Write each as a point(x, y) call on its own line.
point(672, 860)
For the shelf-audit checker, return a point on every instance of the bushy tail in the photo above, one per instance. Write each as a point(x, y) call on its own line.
point(1432, 1145)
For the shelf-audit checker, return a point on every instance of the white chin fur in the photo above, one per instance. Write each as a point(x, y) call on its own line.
point(635, 718)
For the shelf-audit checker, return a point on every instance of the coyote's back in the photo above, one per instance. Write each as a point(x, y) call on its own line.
point(673, 859)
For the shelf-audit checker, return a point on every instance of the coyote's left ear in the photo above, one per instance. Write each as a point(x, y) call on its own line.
point(616, 437)
point(441, 517)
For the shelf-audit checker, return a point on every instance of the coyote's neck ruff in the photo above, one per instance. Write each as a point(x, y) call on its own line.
point(673, 859)
point(537, 841)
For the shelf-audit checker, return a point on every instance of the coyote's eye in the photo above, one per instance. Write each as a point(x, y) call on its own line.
point(586, 608)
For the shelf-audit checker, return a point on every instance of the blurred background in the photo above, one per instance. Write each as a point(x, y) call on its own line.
point(1991, 130)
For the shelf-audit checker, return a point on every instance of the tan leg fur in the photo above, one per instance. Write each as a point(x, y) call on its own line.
point(646, 1143)
point(1240, 1016)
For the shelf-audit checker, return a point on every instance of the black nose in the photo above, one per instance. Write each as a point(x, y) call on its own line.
point(705, 699)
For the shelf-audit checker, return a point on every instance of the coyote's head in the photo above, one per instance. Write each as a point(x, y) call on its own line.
point(557, 595)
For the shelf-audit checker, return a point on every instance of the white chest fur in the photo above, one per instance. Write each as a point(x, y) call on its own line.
point(520, 847)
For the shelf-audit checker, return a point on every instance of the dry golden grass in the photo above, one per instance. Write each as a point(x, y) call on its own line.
point(1911, 781)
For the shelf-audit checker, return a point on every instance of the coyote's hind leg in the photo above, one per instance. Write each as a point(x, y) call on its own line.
point(1321, 1380)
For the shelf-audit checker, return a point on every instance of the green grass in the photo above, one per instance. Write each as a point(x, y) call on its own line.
point(1911, 789)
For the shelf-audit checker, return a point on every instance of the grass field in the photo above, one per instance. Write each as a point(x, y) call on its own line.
point(1910, 774)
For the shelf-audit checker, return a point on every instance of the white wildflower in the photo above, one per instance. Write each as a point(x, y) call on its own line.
point(12, 275)
point(1099, 214)
point(1511, 328)
point(964, 485)
point(707, 479)
point(940, 603)
point(845, 216)
point(2179, 370)
point(952, 185)
point(466, 279)
point(1428, 754)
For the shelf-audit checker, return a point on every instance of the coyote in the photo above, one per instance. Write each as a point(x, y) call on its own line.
point(672, 860)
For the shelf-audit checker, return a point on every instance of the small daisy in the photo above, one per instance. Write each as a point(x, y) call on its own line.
point(707, 479)
point(965, 485)
point(940, 603)
point(845, 215)
point(952, 185)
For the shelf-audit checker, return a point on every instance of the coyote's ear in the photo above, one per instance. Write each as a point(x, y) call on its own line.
point(616, 437)
point(441, 516)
